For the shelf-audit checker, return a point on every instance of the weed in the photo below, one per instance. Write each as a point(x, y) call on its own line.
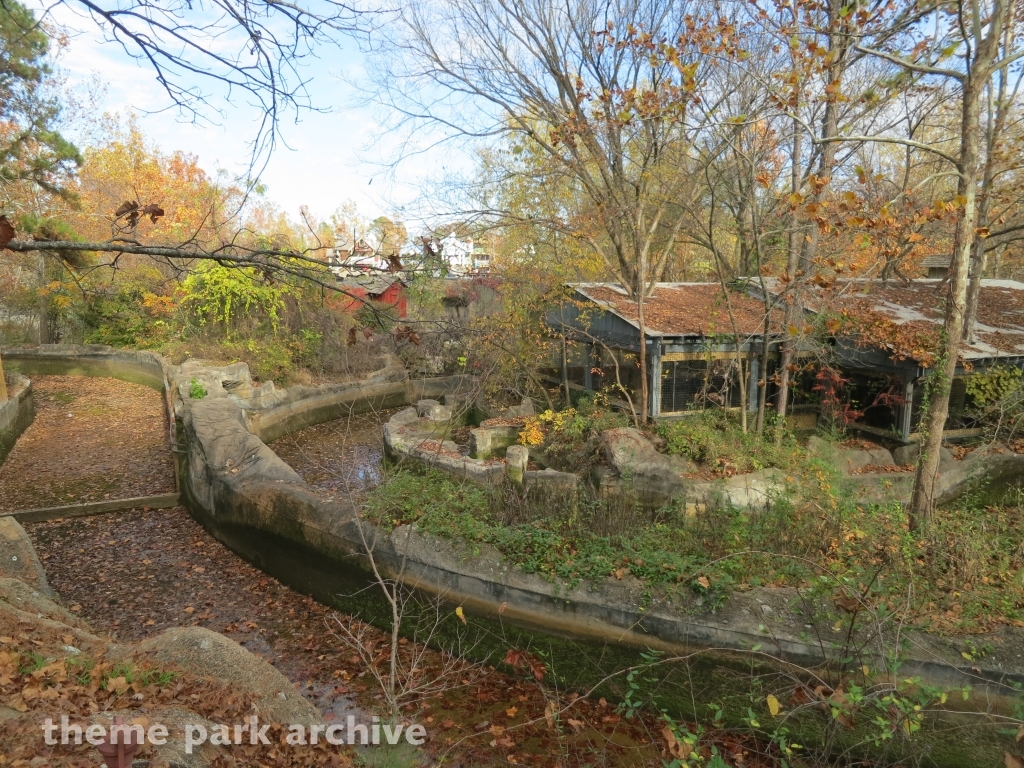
point(715, 438)
point(196, 390)
point(36, 661)
point(144, 677)
point(967, 575)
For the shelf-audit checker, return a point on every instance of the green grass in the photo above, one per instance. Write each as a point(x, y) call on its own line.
point(966, 576)
point(714, 438)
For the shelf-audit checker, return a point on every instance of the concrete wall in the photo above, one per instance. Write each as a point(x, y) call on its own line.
point(247, 497)
point(140, 367)
point(16, 412)
point(305, 406)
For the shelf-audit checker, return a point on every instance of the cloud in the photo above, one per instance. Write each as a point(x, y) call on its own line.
point(322, 160)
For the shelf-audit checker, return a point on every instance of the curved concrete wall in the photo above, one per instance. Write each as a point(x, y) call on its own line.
point(140, 367)
point(257, 505)
point(305, 406)
point(16, 412)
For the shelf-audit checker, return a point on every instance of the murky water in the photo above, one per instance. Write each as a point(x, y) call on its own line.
point(338, 457)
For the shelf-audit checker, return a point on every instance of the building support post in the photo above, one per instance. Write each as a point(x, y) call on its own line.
point(752, 379)
point(908, 410)
point(655, 380)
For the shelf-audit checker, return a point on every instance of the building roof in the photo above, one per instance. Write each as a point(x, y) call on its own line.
point(372, 284)
point(684, 309)
point(937, 260)
point(906, 317)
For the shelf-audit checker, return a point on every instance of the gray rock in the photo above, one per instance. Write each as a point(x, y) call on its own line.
point(433, 410)
point(880, 457)
point(748, 491)
point(851, 461)
point(203, 652)
point(630, 452)
point(906, 454)
point(404, 416)
point(18, 558)
point(909, 454)
point(635, 459)
point(17, 596)
point(551, 480)
point(524, 409)
point(817, 446)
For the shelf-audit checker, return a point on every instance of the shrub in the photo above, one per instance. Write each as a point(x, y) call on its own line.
point(714, 437)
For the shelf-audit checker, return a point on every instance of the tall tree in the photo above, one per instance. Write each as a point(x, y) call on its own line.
point(966, 44)
point(602, 91)
point(31, 148)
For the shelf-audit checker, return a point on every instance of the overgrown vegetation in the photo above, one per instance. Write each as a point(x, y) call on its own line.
point(569, 435)
point(714, 438)
point(812, 532)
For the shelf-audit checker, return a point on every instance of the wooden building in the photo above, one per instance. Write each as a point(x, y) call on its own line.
point(884, 339)
point(704, 346)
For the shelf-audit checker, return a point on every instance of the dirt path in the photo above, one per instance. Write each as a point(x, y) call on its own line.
point(92, 439)
point(134, 574)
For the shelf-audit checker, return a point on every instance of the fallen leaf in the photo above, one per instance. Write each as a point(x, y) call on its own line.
point(460, 614)
point(773, 706)
point(6, 232)
point(678, 749)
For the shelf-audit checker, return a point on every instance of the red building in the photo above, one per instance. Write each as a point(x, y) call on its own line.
point(384, 289)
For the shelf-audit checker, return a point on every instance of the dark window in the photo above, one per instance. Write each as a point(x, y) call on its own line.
point(690, 385)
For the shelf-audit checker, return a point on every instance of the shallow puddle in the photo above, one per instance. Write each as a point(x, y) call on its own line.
point(340, 457)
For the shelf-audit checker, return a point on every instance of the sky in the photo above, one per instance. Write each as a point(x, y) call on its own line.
point(323, 160)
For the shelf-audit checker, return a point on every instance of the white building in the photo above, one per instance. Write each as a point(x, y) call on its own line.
point(356, 254)
point(462, 257)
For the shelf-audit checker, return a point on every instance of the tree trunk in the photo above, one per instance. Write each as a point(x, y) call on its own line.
point(993, 129)
point(3, 382)
point(792, 307)
point(922, 504)
point(565, 373)
point(43, 302)
point(644, 392)
point(762, 375)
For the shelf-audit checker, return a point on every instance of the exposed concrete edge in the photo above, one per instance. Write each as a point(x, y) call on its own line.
point(234, 481)
point(231, 480)
point(16, 412)
point(139, 366)
point(300, 406)
point(160, 501)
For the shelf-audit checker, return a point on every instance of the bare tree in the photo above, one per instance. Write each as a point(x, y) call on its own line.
point(979, 33)
point(204, 55)
point(602, 92)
